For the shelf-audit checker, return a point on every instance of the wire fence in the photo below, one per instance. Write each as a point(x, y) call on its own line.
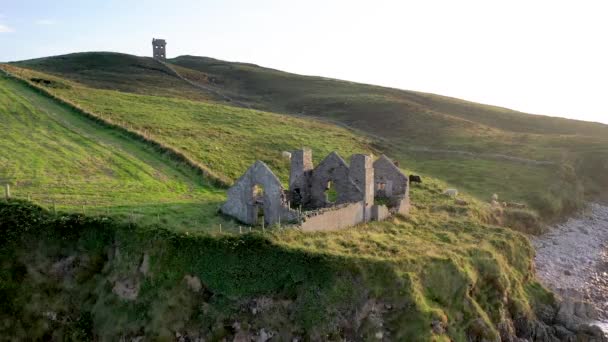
point(57, 203)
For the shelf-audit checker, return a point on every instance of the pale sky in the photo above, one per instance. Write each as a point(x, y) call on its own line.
point(544, 57)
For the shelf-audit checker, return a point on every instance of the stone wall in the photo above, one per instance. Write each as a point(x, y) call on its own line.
point(300, 176)
point(402, 207)
point(243, 205)
point(335, 218)
point(362, 174)
point(335, 170)
point(380, 212)
point(394, 182)
point(357, 187)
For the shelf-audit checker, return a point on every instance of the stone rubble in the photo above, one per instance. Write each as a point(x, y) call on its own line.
point(572, 259)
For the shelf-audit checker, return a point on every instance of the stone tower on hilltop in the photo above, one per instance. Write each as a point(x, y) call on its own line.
point(158, 49)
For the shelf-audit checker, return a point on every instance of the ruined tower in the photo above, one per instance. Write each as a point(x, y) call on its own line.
point(158, 49)
point(362, 174)
point(299, 177)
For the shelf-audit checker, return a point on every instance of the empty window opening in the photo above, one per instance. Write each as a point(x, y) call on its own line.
point(258, 193)
point(331, 195)
point(258, 203)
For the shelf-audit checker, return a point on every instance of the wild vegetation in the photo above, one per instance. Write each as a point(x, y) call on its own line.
point(426, 132)
point(84, 165)
point(441, 275)
point(59, 158)
point(123, 132)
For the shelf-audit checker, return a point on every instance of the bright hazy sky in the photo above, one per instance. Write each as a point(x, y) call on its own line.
point(546, 57)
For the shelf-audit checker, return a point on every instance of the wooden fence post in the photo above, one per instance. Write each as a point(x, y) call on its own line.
point(7, 191)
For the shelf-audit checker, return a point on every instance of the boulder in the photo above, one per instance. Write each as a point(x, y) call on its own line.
point(194, 283)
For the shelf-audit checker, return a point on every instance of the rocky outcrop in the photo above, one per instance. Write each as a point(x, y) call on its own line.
point(572, 260)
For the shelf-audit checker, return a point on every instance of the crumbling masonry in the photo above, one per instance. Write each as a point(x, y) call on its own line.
point(331, 196)
point(159, 49)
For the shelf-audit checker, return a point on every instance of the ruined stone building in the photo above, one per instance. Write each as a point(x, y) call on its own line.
point(158, 49)
point(333, 195)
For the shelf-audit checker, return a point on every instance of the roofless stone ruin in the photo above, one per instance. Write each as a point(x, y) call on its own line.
point(331, 196)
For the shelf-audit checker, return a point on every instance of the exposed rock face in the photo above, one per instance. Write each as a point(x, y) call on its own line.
point(144, 267)
point(571, 259)
point(194, 283)
point(64, 267)
point(572, 314)
point(127, 289)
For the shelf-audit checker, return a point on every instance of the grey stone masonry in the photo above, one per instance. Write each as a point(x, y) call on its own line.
point(389, 180)
point(380, 212)
point(357, 187)
point(362, 174)
point(391, 184)
point(159, 49)
point(300, 177)
point(246, 205)
point(335, 170)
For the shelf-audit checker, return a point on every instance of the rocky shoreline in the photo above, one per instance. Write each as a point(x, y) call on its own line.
point(572, 260)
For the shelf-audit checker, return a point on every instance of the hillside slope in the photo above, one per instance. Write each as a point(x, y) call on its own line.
point(445, 273)
point(478, 148)
point(116, 71)
point(63, 160)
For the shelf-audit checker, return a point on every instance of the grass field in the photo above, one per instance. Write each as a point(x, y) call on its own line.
point(225, 139)
point(445, 264)
point(57, 157)
point(395, 121)
point(114, 71)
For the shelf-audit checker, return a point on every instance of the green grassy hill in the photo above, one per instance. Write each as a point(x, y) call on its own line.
point(282, 91)
point(447, 272)
point(477, 148)
point(115, 71)
point(55, 156)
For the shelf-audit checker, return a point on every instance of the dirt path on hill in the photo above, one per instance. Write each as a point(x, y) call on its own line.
point(203, 87)
point(572, 259)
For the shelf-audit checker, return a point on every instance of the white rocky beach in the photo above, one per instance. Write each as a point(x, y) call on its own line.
point(572, 260)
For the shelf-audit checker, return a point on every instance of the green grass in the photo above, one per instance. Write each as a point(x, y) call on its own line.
point(395, 120)
point(445, 262)
point(441, 264)
point(116, 71)
point(57, 157)
point(225, 139)
point(403, 119)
